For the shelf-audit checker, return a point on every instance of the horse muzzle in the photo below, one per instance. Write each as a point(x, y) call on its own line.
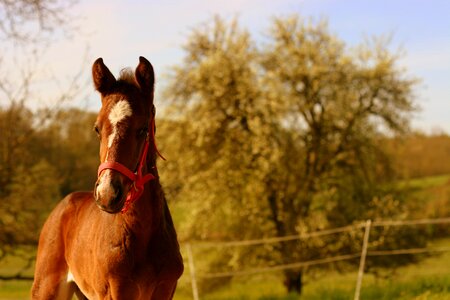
point(109, 192)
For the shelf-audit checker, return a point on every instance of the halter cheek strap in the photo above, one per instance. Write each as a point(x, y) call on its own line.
point(138, 180)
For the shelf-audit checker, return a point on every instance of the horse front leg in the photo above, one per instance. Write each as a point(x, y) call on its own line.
point(50, 277)
point(52, 285)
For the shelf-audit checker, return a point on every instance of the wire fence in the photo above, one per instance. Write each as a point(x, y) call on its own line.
point(362, 255)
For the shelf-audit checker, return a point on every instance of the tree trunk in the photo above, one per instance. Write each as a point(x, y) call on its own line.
point(293, 281)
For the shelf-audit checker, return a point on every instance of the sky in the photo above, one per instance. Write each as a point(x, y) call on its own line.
point(121, 31)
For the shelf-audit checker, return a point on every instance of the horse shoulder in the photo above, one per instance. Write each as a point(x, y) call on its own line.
point(53, 229)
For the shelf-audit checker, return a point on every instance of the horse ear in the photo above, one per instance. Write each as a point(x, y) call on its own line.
point(102, 76)
point(145, 76)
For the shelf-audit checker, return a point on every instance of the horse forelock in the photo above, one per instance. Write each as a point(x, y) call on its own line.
point(127, 76)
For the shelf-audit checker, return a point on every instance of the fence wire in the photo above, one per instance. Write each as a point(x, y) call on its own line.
point(297, 265)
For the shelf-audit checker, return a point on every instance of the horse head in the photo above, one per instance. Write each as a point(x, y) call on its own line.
point(125, 126)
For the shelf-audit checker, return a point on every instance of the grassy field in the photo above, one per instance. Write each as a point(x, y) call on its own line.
point(429, 279)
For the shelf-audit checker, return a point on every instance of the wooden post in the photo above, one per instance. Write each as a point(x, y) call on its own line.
point(192, 271)
point(362, 261)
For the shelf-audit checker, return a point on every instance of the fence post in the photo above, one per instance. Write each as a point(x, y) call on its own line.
point(192, 271)
point(362, 261)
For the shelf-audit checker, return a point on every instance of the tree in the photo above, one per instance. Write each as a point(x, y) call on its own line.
point(283, 138)
point(30, 21)
point(339, 102)
point(69, 143)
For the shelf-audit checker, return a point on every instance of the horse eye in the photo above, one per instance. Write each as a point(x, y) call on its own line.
point(143, 131)
point(97, 130)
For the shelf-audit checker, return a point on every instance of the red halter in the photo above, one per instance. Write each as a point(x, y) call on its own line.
point(138, 180)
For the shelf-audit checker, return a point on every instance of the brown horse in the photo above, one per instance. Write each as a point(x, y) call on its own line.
point(119, 241)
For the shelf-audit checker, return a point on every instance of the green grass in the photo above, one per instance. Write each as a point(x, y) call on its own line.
point(426, 182)
point(429, 279)
point(15, 290)
point(436, 286)
point(429, 197)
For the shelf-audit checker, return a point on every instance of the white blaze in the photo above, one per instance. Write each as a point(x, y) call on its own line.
point(118, 113)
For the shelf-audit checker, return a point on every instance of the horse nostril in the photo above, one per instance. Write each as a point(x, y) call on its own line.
point(119, 195)
point(118, 190)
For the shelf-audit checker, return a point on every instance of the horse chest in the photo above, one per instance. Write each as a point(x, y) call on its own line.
point(124, 253)
point(115, 269)
point(109, 255)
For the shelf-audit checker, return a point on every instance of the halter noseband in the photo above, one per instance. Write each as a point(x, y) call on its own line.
point(138, 180)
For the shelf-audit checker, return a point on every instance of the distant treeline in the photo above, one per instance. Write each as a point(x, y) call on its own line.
point(419, 155)
point(68, 145)
point(63, 152)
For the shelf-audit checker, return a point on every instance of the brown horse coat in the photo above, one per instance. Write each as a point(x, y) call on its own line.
point(87, 246)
